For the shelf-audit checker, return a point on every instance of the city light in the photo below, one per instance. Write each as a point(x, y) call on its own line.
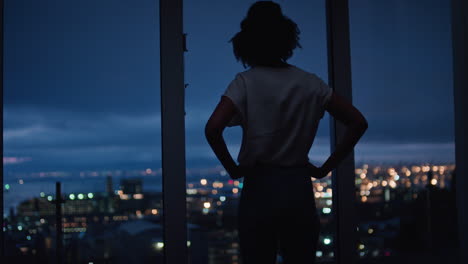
point(138, 196)
point(21, 181)
point(375, 185)
point(158, 245)
point(124, 197)
point(192, 191)
point(217, 184)
point(415, 169)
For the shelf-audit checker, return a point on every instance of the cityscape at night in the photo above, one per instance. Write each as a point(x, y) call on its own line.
point(97, 224)
point(100, 96)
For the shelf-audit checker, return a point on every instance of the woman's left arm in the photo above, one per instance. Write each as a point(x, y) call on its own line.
point(223, 113)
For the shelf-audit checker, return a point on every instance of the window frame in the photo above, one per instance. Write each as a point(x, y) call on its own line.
point(339, 79)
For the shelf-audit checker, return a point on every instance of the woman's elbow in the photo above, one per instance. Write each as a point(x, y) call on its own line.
point(362, 124)
point(212, 131)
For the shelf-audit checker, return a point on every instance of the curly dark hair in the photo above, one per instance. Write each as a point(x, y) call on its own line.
point(267, 37)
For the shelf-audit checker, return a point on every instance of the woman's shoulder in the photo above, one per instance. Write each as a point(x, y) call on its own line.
point(291, 71)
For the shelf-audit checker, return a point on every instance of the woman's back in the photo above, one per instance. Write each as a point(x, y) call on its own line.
point(279, 109)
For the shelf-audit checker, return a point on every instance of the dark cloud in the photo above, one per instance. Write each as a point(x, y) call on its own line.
point(82, 79)
point(89, 56)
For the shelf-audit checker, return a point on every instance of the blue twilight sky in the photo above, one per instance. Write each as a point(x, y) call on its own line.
point(81, 79)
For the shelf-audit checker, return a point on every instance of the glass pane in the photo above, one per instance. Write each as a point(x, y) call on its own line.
point(212, 198)
point(82, 108)
point(402, 82)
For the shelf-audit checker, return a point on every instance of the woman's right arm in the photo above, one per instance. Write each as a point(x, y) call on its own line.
point(343, 111)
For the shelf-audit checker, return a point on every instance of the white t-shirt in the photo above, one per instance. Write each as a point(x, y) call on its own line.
point(279, 110)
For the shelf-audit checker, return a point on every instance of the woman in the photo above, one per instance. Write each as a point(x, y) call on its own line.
point(278, 106)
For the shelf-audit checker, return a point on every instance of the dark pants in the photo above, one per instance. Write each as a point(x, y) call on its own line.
point(277, 214)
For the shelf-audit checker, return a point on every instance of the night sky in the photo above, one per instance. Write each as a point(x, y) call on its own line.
point(82, 87)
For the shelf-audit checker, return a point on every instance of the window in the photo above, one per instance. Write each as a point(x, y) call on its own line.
point(212, 198)
point(402, 82)
point(82, 107)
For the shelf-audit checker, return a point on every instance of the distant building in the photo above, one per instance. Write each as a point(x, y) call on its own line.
point(109, 185)
point(131, 186)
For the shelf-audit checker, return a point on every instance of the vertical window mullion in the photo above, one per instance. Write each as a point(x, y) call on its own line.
point(339, 72)
point(460, 83)
point(173, 132)
point(2, 249)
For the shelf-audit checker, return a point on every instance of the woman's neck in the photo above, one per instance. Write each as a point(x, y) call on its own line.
point(280, 64)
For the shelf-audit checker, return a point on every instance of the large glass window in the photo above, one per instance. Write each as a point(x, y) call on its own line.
point(82, 108)
point(402, 82)
point(212, 198)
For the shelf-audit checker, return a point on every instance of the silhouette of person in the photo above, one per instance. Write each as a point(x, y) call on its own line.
point(279, 106)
